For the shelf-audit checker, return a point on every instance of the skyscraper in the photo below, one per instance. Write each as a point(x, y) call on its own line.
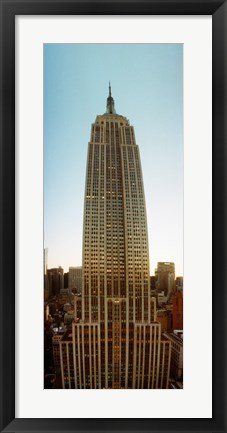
point(75, 279)
point(115, 242)
point(165, 277)
point(116, 341)
point(55, 280)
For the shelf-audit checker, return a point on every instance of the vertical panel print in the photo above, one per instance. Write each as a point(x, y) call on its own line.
point(113, 216)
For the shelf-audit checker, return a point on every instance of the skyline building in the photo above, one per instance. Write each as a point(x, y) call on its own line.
point(75, 279)
point(115, 239)
point(55, 280)
point(165, 277)
point(178, 310)
point(116, 341)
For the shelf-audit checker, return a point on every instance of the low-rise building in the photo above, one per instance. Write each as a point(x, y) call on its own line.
point(164, 316)
point(161, 298)
point(177, 300)
point(176, 339)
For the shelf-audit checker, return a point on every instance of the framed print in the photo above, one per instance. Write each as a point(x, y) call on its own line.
point(112, 329)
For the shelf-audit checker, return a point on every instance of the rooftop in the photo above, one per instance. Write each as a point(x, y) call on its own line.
point(175, 337)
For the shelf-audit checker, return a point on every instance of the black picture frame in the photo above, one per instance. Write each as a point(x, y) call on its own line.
point(9, 9)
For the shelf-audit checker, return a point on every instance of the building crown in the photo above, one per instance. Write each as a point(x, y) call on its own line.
point(110, 103)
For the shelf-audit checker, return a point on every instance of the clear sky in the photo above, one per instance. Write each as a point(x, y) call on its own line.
point(147, 86)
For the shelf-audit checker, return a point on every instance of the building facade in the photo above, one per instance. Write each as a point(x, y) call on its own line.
point(178, 310)
point(164, 316)
point(176, 338)
point(55, 280)
point(117, 341)
point(165, 278)
point(81, 362)
point(75, 279)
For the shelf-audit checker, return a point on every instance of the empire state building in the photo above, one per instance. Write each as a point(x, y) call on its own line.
point(116, 340)
point(115, 241)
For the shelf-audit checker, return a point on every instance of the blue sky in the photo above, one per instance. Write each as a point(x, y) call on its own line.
point(147, 86)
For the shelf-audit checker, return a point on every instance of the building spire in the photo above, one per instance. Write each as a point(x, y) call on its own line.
point(110, 103)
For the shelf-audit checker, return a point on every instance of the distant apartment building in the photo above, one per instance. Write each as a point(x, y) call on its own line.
point(165, 318)
point(165, 277)
point(152, 283)
point(161, 298)
point(177, 300)
point(179, 283)
point(55, 277)
point(75, 279)
point(66, 280)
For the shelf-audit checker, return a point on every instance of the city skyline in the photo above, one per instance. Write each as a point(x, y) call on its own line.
point(73, 94)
